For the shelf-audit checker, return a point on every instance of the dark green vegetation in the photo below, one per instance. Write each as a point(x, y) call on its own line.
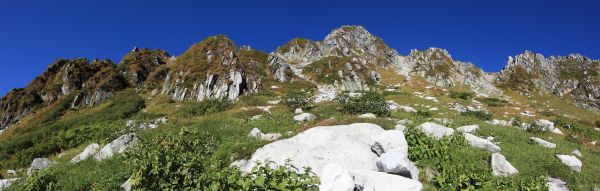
point(297, 99)
point(461, 95)
point(204, 107)
point(52, 132)
point(366, 102)
point(492, 102)
point(482, 115)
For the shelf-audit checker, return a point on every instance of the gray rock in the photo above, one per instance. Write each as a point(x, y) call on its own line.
point(89, 151)
point(39, 164)
point(256, 117)
point(391, 141)
point(555, 184)
point(119, 145)
point(336, 178)
point(577, 153)
point(11, 172)
point(305, 117)
point(258, 134)
point(501, 167)
point(481, 143)
point(571, 161)
point(543, 125)
point(5, 183)
point(435, 130)
point(397, 163)
point(126, 186)
point(368, 116)
point(298, 111)
point(467, 128)
point(542, 142)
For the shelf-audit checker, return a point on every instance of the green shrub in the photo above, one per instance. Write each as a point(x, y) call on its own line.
point(297, 99)
point(184, 161)
point(425, 114)
point(493, 102)
point(478, 114)
point(461, 95)
point(367, 102)
point(41, 180)
point(205, 107)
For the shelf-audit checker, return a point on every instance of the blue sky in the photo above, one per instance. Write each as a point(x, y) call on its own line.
point(34, 33)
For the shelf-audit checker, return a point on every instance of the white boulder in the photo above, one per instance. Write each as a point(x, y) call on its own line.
point(407, 109)
point(555, 184)
point(126, 186)
point(542, 142)
point(89, 151)
point(390, 141)
point(435, 130)
point(336, 178)
point(397, 163)
point(298, 111)
point(39, 164)
point(543, 125)
point(481, 143)
point(501, 167)
point(577, 153)
point(305, 117)
point(368, 116)
point(119, 145)
point(5, 183)
point(467, 128)
point(571, 161)
point(258, 134)
point(378, 181)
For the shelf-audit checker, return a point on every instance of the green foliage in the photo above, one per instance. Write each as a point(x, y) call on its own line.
point(297, 99)
point(366, 102)
point(183, 161)
point(41, 180)
point(52, 134)
point(478, 114)
point(493, 102)
point(461, 95)
point(205, 107)
point(422, 113)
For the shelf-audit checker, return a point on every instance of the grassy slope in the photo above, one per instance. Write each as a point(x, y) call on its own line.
point(230, 128)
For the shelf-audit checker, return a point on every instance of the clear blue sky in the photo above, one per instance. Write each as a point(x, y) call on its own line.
point(34, 33)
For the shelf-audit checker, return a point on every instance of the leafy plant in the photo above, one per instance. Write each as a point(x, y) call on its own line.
point(366, 102)
point(478, 114)
point(493, 102)
point(297, 99)
point(205, 107)
point(461, 95)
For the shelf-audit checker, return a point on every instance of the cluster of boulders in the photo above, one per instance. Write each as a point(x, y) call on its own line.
point(372, 158)
point(134, 124)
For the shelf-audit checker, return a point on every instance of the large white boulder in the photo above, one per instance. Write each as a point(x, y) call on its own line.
point(501, 167)
point(89, 151)
point(126, 186)
point(119, 145)
point(467, 128)
point(555, 184)
point(39, 164)
point(543, 125)
point(577, 153)
point(336, 178)
point(407, 109)
point(435, 130)
point(571, 161)
point(397, 163)
point(390, 141)
point(5, 183)
point(348, 146)
point(481, 143)
point(305, 117)
point(542, 142)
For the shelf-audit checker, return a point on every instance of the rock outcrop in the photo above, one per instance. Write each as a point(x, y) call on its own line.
point(342, 157)
point(88, 152)
point(39, 164)
point(575, 76)
point(119, 145)
point(501, 167)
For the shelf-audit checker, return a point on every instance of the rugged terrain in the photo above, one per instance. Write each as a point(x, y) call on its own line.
point(349, 107)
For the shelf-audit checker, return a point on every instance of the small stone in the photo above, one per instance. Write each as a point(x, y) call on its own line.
point(256, 117)
point(298, 111)
point(571, 161)
point(542, 142)
point(467, 128)
point(305, 117)
point(368, 116)
point(490, 138)
point(577, 153)
point(501, 167)
point(481, 143)
point(39, 164)
point(555, 184)
point(435, 130)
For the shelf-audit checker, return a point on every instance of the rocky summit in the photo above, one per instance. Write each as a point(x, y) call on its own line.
point(347, 112)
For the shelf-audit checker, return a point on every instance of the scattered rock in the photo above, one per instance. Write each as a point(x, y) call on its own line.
point(501, 167)
point(399, 127)
point(257, 134)
point(571, 161)
point(490, 138)
point(11, 172)
point(397, 163)
point(305, 117)
point(404, 122)
point(39, 164)
point(119, 145)
point(89, 151)
point(368, 116)
point(5, 183)
point(503, 123)
point(126, 186)
point(543, 125)
point(435, 130)
point(392, 105)
point(527, 113)
point(577, 153)
point(433, 109)
point(555, 184)
point(458, 107)
point(481, 143)
point(256, 117)
point(467, 128)
point(542, 142)
point(298, 111)
point(407, 109)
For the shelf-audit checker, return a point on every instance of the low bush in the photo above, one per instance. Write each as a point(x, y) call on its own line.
point(461, 95)
point(493, 102)
point(478, 114)
point(205, 107)
point(366, 102)
point(297, 99)
point(425, 114)
point(184, 161)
